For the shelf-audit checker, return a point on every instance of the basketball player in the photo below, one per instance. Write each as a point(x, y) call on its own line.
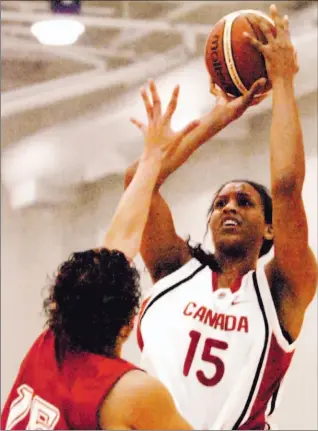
point(219, 330)
point(73, 376)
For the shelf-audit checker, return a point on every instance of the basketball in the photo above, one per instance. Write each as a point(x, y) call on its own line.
point(232, 62)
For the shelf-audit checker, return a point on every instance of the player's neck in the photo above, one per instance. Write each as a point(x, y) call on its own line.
point(235, 266)
point(113, 352)
point(118, 350)
point(119, 347)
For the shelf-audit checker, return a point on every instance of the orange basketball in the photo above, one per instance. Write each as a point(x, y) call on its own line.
point(233, 63)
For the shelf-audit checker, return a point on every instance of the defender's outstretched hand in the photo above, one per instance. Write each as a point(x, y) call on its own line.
point(158, 133)
point(177, 147)
point(126, 229)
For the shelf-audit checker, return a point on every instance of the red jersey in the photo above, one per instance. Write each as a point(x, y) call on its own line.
point(46, 397)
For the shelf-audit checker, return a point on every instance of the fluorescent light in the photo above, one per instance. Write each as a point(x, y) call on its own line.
point(57, 32)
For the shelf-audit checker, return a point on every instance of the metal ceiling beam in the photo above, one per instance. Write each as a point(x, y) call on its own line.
point(119, 23)
point(9, 30)
point(49, 86)
point(80, 56)
point(178, 12)
point(184, 9)
point(47, 93)
point(35, 191)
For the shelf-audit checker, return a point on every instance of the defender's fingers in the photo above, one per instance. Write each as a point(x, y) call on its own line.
point(137, 123)
point(172, 105)
point(155, 98)
point(148, 106)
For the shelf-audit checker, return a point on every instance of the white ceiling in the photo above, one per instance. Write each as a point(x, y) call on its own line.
point(65, 110)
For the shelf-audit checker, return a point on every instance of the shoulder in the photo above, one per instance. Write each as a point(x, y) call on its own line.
point(182, 274)
point(137, 387)
point(132, 399)
point(145, 389)
point(289, 306)
point(170, 265)
point(44, 342)
point(284, 287)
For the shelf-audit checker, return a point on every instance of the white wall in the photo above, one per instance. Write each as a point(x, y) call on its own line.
point(31, 248)
point(36, 240)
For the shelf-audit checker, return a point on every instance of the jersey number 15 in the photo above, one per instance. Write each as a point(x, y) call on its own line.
point(207, 356)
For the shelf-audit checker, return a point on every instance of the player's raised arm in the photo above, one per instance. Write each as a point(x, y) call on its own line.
point(294, 264)
point(125, 231)
point(162, 250)
point(140, 402)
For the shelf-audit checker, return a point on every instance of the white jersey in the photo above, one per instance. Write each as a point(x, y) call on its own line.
point(220, 352)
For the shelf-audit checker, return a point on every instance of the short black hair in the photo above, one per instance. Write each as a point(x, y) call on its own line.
point(94, 295)
point(209, 258)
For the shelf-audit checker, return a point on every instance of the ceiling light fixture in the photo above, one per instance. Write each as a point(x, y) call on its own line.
point(57, 32)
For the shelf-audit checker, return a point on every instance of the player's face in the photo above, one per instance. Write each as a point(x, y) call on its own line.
point(237, 220)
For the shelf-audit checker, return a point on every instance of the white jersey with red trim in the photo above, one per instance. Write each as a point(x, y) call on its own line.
point(220, 352)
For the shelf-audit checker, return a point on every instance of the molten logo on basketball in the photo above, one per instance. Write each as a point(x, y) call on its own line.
point(215, 60)
point(233, 63)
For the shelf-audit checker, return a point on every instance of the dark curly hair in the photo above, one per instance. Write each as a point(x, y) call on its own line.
point(209, 258)
point(94, 295)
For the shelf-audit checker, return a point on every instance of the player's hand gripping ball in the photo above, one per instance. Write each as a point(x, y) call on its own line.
point(233, 63)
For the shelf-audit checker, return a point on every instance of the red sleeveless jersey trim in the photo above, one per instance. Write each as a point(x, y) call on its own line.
point(277, 359)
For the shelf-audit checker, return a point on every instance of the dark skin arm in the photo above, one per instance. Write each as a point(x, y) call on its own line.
point(162, 250)
point(292, 273)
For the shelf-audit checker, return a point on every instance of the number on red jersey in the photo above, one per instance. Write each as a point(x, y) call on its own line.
point(42, 415)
